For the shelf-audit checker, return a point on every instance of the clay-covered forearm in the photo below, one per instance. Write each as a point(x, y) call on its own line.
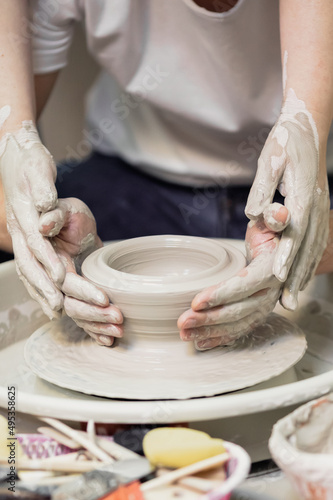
point(306, 45)
point(5, 239)
point(17, 101)
point(326, 263)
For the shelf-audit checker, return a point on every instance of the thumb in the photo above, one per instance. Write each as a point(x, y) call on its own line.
point(51, 223)
point(263, 187)
point(276, 217)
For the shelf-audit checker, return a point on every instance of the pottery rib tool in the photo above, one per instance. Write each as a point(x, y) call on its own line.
point(76, 436)
point(173, 476)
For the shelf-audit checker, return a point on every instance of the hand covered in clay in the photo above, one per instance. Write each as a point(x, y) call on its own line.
point(28, 174)
point(290, 162)
point(223, 313)
point(72, 229)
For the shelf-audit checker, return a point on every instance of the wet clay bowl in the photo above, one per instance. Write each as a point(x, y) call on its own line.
point(154, 279)
point(302, 445)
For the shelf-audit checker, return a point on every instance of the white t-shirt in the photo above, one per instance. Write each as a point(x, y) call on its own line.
point(185, 94)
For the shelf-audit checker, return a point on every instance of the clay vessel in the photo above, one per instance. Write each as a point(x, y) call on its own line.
point(153, 279)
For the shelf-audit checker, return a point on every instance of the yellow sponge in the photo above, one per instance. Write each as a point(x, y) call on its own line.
point(177, 446)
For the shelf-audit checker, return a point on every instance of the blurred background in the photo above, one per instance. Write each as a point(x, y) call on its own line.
point(62, 121)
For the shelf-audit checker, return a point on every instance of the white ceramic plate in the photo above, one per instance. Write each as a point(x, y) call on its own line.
point(61, 353)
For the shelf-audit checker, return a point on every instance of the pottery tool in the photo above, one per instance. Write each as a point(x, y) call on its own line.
point(198, 483)
point(115, 450)
point(78, 437)
point(178, 446)
point(105, 480)
point(128, 492)
point(121, 453)
point(56, 465)
point(175, 475)
point(91, 434)
point(59, 437)
point(21, 495)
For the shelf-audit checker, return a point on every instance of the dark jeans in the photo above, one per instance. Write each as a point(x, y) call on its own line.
point(128, 203)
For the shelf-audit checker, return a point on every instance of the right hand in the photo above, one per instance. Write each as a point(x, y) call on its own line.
point(28, 175)
point(223, 313)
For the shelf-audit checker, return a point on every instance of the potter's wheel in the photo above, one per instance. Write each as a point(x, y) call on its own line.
point(229, 416)
point(63, 354)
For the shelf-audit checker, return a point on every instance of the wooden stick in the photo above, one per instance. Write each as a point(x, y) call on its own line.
point(113, 449)
point(54, 465)
point(59, 437)
point(117, 451)
point(56, 480)
point(203, 485)
point(173, 476)
point(199, 484)
point(77, 436)
point(91, 434)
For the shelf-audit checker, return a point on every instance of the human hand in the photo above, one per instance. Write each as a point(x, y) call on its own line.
point(290, 161)
point(72, 229)
point(223, 313)
point(28, 174)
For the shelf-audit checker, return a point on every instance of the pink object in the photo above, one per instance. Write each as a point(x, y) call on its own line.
point(37, 446)
point(237, 470)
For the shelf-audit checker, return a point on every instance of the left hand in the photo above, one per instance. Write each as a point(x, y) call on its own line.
point(71, 228)
point(222, 313)
point(293, 160)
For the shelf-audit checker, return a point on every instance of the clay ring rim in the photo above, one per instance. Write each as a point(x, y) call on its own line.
point(96, 267)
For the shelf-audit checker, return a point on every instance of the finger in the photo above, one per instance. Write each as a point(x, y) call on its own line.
point(292, 237)
point(100, 328)
point(51, 223)
point(79, 288)
point(227, 331)
point(205, 345)
point(28, 220)
point(265, 299)
point(41, 181)
point(80, 310)
point(35, 274)
point(38, 298)
point(230, 338)
point(276, 217)
point(255, 277)
point(102, 340)
point(264, 185)
point(322, 240)
point(306, 260)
